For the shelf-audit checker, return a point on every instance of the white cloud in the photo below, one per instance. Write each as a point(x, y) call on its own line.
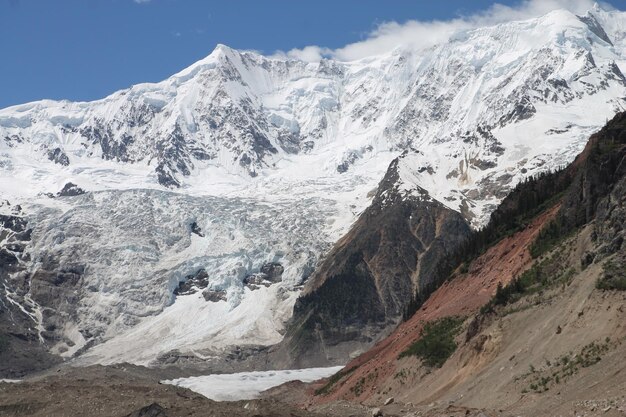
point(142, 1)
point(308, 53)
point(420, 34)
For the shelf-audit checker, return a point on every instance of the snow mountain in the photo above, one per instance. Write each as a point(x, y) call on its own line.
point(180, 219)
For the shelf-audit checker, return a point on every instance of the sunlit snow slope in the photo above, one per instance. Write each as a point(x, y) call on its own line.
point(235, 175)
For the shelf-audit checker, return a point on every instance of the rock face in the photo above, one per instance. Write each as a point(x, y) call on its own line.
point(21, 347)
point(597, 189)
point(598, 193)
point(398, 250)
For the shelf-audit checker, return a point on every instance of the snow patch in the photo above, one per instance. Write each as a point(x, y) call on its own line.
point(248, 385)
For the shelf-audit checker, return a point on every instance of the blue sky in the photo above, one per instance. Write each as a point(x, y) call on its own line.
point(86, 49)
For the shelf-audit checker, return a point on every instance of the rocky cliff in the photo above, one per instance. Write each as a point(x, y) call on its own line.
point(22, 349)
point(398, 251)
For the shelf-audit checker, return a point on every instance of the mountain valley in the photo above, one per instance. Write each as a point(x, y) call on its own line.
point(445, 224)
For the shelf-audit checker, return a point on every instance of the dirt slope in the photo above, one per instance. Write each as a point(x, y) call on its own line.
point(511, 351)
point(497, 368)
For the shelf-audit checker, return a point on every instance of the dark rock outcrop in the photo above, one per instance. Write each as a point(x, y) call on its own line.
point(70, 190)
point(21, 350)
point(199, 282)
point(193, 283)
point(196, 229)
point(398, 250)
point(214, 295)
point(597, 188)
point(273, 271)
point(152, 410)
point(57, 156)
point(270, 273)
point(595, 27)
point(599, 191)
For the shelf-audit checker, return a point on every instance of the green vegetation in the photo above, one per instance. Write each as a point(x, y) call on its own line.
point(402, 376)
point(359, 387)
point(529, 198)
point(436, 343)
point(333, 380)
point(535, 195)
point(551, 235)
point(543, 275)
point(566, 366)
point(614, 276)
